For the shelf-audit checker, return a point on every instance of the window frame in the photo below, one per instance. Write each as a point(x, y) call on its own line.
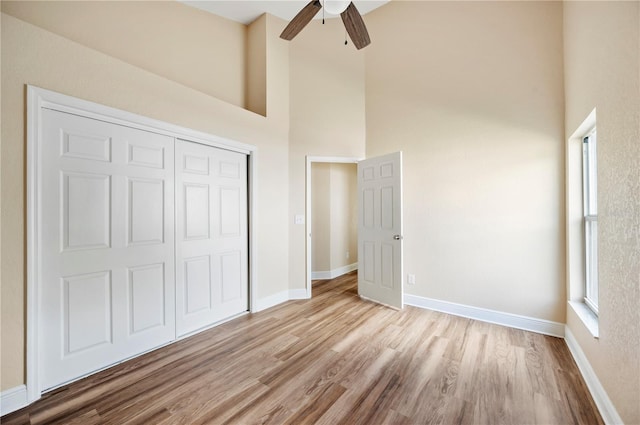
point(590, 218)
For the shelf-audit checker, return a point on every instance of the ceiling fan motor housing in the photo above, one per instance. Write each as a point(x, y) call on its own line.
point(335, 7)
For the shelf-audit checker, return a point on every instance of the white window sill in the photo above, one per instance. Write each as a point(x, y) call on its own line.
point(587, 316)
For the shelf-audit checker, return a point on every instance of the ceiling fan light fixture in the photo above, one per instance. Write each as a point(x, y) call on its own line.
point(351, 18)
point(335, 7)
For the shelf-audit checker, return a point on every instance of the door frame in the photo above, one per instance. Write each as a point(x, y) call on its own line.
point(38, 99)
point(309, 161)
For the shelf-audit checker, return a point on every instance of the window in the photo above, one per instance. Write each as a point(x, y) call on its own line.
point(590, 213)
point(582, 232)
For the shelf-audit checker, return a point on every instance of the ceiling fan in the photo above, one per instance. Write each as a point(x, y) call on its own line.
point(351, 18)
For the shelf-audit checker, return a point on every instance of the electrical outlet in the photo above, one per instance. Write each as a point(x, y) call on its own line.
point(411, 279)
point(348, 255)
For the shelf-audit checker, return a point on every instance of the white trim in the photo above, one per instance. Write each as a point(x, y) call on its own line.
point(532, 324)
point(271, 301)
point(279, 298)
point(587, 126)
point(574, 233)
point(298, 294)
point(34, 109)
point(310, 159)
point(588, 317)
point(13, 399)
point(332, 274)
point(253, 240)
point(63, 103)
point(39, 99)
point(605, 406)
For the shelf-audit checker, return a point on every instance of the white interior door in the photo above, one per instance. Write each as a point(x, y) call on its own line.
point(211, 235)
point(105, 210)
point(380, 229)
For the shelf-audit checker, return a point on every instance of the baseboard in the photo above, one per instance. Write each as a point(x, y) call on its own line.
point(298, 294)
point(271, 301)
point(332, 274)
point(532, 324)
point(13, 399)
point(605, 406)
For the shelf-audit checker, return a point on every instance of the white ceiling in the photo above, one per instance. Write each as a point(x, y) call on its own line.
point(246, 11)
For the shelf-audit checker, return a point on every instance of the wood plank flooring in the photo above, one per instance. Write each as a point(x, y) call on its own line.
point(334, 359)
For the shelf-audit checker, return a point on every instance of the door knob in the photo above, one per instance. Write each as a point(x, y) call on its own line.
point(397, 237)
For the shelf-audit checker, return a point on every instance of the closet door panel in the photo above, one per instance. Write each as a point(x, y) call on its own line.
point(106, 217)
point(211, 235)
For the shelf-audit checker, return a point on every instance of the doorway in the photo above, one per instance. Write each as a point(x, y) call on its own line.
point(331, 210)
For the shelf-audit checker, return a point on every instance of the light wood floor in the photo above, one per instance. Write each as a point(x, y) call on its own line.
point(335, 360)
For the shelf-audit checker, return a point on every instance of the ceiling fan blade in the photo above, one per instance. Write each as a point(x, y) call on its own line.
point(355, 27)
point(301, 20)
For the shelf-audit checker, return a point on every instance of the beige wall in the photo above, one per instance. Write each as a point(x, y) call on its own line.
point(472, 93)
point(32, 55)
point(327, 116)
point(344, 218)
point(320, 217)
point(256, 71)
point(200, 50)
point(602, 71)
point(334, 226)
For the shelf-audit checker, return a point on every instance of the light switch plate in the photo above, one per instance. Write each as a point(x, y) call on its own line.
point(298, 219)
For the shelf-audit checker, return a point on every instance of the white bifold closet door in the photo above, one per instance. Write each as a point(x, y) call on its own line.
point(107, 225)
point(143, 238)
point(211, 235)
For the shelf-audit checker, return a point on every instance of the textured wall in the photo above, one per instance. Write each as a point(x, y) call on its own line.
point(602, 71)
